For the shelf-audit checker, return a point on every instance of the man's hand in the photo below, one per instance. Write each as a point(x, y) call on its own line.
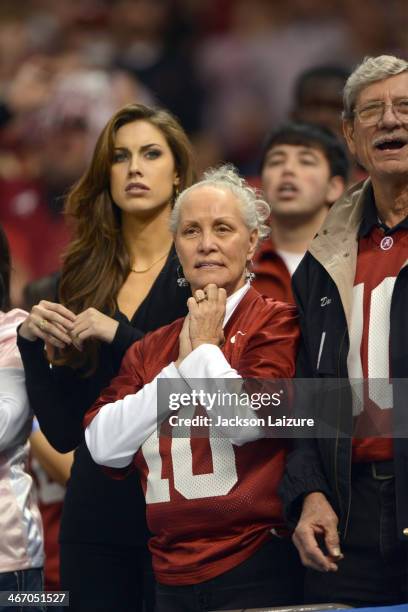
point(318, 519)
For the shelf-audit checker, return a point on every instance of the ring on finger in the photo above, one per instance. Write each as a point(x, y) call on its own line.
point(200, 298)
point(42, 324)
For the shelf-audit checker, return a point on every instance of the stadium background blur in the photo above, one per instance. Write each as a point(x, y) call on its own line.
point(228, 69)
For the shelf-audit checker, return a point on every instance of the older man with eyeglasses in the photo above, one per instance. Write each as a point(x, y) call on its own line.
point(347, 491)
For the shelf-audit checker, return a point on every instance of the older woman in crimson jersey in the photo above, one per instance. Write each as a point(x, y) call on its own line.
point(212, 504)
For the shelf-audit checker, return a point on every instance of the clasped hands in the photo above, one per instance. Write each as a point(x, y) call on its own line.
point(204, 322)
point(59, 327)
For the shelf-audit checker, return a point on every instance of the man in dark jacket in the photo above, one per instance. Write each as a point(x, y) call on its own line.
point(347, 491)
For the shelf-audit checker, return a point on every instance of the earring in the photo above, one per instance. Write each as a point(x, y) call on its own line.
point(181, 281)
point(249, 275)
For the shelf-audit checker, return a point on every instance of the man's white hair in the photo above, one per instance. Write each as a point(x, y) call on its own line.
point(255, 211)
point(371, 70)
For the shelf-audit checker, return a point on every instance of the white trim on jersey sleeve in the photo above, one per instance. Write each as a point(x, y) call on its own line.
point(208, 363)
point(120, 428)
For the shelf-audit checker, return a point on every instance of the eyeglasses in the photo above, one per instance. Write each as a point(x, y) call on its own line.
point(371, 113)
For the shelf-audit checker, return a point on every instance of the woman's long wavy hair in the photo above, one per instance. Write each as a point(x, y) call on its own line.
point(96, 262)
point(5, 268)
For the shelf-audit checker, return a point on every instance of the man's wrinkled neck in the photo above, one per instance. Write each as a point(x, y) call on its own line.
point(391, 200)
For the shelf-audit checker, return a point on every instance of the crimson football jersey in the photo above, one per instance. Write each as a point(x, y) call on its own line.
point(380, 258)
point(211, 503)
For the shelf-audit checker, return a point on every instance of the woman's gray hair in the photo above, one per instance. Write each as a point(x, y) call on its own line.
point(370, 70)
point(255, 211)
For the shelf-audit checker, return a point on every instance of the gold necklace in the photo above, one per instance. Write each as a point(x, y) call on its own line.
point(150, 267)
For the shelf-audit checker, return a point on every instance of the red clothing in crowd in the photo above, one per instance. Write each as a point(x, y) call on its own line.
point(272, 277)
point(25, 212)
point(50, 502)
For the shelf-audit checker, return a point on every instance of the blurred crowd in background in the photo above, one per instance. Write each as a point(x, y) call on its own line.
point(230, 70)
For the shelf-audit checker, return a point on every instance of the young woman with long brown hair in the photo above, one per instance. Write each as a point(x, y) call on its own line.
point(118, 281)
